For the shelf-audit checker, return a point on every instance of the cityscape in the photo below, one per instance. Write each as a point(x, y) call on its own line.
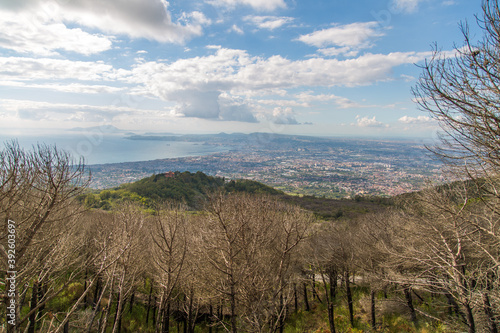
point(300, 165)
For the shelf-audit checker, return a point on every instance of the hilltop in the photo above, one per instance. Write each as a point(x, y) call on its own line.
point(183, 187)
point(193, 188)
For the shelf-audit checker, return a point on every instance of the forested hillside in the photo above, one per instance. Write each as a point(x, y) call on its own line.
point(248, 258)
point(191, 189)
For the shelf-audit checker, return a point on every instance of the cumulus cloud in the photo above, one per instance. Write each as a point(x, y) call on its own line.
point(211, 105)
point(415, 120)
point(343, 39)
point(262, 5)
point(235, 109)
point(20, 33)
point(149, 19)
point(268, 22)
point(368, 122)
point(284, 116)
point(207, 86)
point(196, 83)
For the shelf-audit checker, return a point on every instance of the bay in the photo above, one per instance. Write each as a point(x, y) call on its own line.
point(99, 148)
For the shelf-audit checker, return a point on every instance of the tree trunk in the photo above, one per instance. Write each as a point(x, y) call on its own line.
point(349, 297)
point(210, 316)
point(166, 318)
point(131, 303)
point(97, 292)
point(42, 289)
point(306, 300)
point(191, 320)
point(119, 306)
point(313, 286)
point(492, 325)
point(154, 311)
point(330, 298)
point(281, 321)
point(409, 303)
point(470, 318)
point(34, 303)
point(85, 301)
point(295, 298)
point(232, 299)
point(149, 303)
point(372, 298)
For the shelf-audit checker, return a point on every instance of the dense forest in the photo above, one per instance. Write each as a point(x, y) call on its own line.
point(194, 253)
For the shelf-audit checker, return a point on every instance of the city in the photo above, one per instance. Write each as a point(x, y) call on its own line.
point(329, 167)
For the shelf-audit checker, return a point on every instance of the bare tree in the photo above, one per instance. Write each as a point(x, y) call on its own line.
point(462, 91)
point(37, 192)
point(170, 246)
point(250, 242)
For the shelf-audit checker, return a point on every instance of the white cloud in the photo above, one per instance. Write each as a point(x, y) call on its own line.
point(335, 51)
point(407, 78)
point(415, 120)
point(343, 39)
point(235, 109)
point(268, 22)
point(196, 83)
point(406, 6)
point(284, 116)
point(340, 102)
point(135, 18)
point(307, 96)
point(69, 88)
point(236, 29)
point(19, 32)
point(206, 87)
point(368, 122)
point(345, 103)
point(282, 102)
point(42, 114)
point(35, 110)
point(23, 69)
point(262, 5)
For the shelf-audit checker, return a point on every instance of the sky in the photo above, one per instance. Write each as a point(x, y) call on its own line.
point(323, 67)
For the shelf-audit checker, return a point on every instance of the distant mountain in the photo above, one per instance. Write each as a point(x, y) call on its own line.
point(103, 129)
point(158, 134)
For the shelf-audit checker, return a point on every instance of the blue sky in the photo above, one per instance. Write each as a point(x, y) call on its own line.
point(334, 68)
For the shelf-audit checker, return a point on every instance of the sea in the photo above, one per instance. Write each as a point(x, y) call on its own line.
point(103, 148)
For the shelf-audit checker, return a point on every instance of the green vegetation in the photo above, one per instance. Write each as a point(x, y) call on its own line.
point(192, 189)
point(183, 187)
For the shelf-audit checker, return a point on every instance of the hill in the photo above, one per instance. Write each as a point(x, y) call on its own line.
point(184, 187)
point(192, 189)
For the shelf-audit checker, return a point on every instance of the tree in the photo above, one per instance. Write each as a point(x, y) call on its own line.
point(462, 93)
point(170, 246)
point(251, 243)
point(37, 193)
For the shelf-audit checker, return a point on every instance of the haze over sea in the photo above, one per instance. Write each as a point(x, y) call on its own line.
point(100, 148)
